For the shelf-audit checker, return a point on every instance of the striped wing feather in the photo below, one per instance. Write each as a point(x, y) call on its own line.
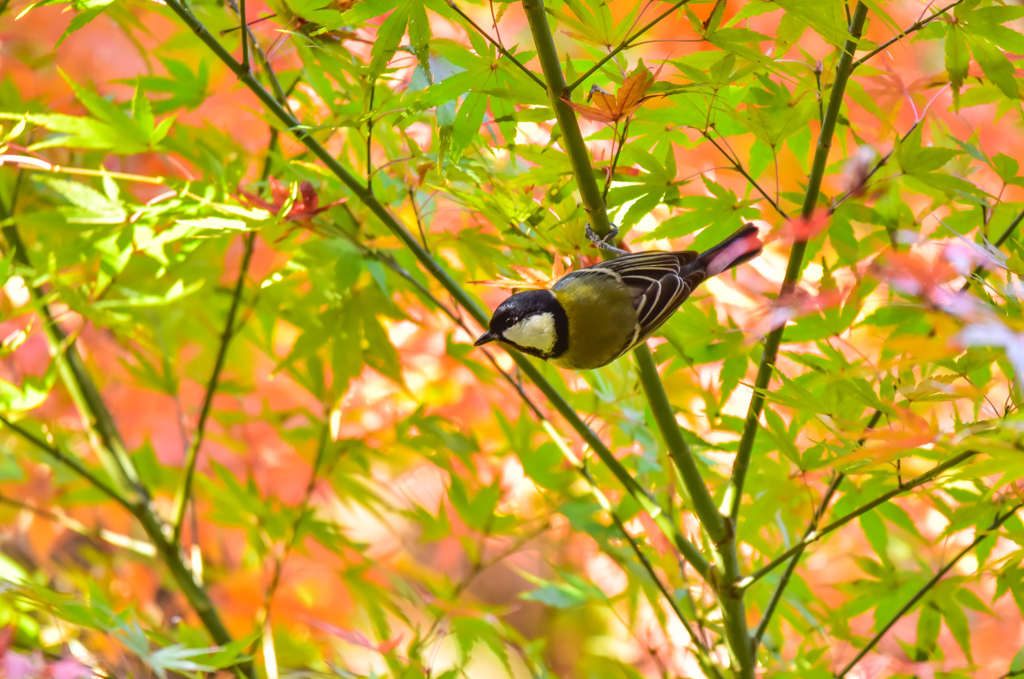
point(643, 269)
point(662, 298)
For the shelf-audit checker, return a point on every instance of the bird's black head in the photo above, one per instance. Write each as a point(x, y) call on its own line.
point(533, 322)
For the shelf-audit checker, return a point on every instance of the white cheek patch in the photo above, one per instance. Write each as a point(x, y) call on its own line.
point(535, 332)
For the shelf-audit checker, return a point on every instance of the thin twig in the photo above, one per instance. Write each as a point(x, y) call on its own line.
point(878, 166)
point(293, 531)
point(369, 141)
point(999, 521)
point(245, 40)
point(71, 462)
point(780, 588)
point(738, 167)
point(185, 489)
point(623, 45)
point(615, 160)
point(275, 84)
point(74, 525)
point(501, 48)
point(572, 137)
point(911, 29)
point(846, 518)
point(980, 272)
point(419, 219)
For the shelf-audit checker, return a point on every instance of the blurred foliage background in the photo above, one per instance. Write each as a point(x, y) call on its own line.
point(244, 431)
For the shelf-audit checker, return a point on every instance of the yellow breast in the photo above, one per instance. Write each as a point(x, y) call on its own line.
point(602, 321)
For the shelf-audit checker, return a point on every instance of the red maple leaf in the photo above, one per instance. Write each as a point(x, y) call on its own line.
point(306, 206)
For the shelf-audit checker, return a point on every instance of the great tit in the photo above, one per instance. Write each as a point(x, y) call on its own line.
point(590, 317)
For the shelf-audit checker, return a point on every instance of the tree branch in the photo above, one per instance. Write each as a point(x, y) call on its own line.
point(738, 167)
point(572, 138)
point(98, 422)
point(734, 494)
point(703, 504)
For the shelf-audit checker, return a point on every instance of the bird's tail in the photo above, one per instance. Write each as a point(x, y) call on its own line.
point(740, 247)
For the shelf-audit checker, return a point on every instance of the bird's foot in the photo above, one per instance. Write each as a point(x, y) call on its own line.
point(606, 242)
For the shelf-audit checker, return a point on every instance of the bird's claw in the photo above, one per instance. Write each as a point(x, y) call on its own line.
point(606, 242)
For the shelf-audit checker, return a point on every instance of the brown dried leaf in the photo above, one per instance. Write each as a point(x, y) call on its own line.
point(609, 108)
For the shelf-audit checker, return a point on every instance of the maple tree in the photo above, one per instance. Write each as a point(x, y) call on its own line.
point(246, 249)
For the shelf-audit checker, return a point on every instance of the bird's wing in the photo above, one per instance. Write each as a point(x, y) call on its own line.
point(661, 299)
point(642, 270)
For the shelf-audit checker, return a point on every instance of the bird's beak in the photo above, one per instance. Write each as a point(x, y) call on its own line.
point(485, 338)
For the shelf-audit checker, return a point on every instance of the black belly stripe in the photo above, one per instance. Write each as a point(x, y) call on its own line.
point(561, 330)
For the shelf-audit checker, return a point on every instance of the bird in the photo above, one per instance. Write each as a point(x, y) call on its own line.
point(594, 315)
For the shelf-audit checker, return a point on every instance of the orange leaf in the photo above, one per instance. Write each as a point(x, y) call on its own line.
point(532, 279)
point(609, 108)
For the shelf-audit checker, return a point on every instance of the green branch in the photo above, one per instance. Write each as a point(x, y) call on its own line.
point(623, 45)
point(980, 271)
point(703, 656)
point(71, 462)
point(741, 649)
point(734, 494)
point(993, 527)
point(738, 167)
point(110, 537)
point(703, 504)
point(106, 439)
point(433, 268)
point(98, 422)
point(185, 489)
point(780, 588)
point(572, 138)
point(197, 596)
point(847, 518)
